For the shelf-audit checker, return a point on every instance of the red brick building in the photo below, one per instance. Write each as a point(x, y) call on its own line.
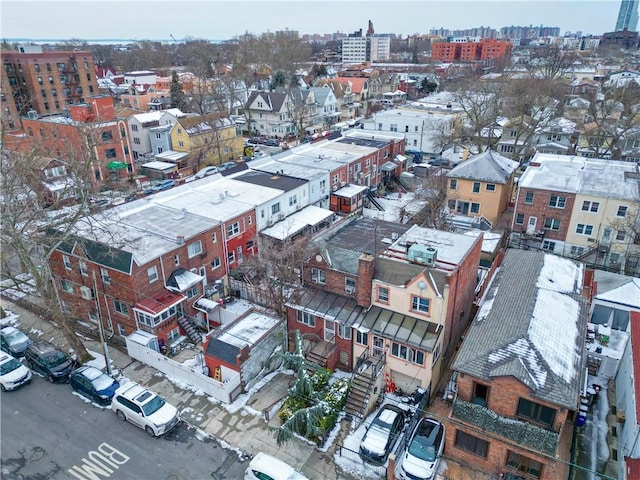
point(485, 49)
point(90, 133)
point(46, 82)
point(518, 374)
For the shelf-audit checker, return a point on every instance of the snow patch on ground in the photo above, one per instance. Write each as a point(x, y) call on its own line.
point(86, 400)
point(36, 332)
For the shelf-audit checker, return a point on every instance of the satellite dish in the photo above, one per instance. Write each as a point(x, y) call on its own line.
point(318, 258)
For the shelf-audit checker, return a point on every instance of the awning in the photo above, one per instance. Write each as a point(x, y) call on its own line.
point(388, 167)
point(180, 280)
point(205, 305)
point(116, 165)
point(155, 306)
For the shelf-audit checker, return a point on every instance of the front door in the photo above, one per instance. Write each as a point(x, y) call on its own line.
point(531, 226)
point(377, 349)
point(606, 236)
point(329, 330)
point(462, 208)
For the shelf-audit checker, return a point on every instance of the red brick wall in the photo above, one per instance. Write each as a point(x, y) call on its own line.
point(541, 210)
point(462, 284)
point(503, 399)
point(248, 232)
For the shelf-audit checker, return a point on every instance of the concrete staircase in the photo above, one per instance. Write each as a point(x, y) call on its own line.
point(190, 328)
point(362, 385)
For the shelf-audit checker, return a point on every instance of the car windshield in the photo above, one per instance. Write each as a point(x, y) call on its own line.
point(9, 366)
point(153, 405)
point(54, 359)
point(15, 337)
point(422, 448)
point(102, 382)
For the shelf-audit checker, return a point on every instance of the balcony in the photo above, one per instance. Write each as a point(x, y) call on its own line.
point(521, 433)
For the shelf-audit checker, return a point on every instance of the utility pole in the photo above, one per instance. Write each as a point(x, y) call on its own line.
point(103, 343)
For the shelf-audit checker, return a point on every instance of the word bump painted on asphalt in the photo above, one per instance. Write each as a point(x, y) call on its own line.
point(100, 463)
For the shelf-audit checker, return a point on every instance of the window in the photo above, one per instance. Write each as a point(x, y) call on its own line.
point(349, 285)
point(106, 136)
point(233, 229)
point(524, 464)
point(231, 257)
point(318, 276)
point(249, 245)
point(306, 318)
point(491, 187)
point(83, 267)
point(152, 274)
point(453, 184)
point(583, 229)
point(436, 355)
point(520, 219)
point(535, 412)
point(528, 198)
point(548, 246)
point(121, 307)
point(362, 337)
point(476, 187)
point(110, 153)
point(344, 332)
point(293, 200)
point(275, 208)
point(67, 262)
point(622, 211)
point(419, 304)
point(214, 237)
point(36, 67)
point(66, 285)
point(104, 273)
point(134, 127)
point(475, 207)
point(556, 201)
point(195, 249)
point(323, 184)
point(471, 444)
point(621, 235)
point(590, 206)
point(176, 260)
point(215, 263)
point(383, 294)
point(552, 224)
point(406, 353)
point(192, 292)
point(480, 394)
point(575, 250)
point(394, 127)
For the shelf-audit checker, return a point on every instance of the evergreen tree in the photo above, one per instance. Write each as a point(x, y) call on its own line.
point(178, 99)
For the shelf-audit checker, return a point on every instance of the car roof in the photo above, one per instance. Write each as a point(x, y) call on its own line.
point(133, 391)
point(90, 372)
point(5, 357)
point(9, 329)
point(272, 466)
point(42, 346)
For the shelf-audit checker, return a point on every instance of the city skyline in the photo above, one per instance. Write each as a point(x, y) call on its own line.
point(221, 20)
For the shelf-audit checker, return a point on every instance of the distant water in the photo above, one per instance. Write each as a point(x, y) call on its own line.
point(97, 41)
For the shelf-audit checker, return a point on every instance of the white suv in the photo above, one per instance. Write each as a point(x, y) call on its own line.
point(145, 409)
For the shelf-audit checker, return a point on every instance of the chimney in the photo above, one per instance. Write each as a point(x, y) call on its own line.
point(180, 239)
point(366, 268)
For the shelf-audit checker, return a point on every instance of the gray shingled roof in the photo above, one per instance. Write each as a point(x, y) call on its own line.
point(531, 326)
point(487, 167)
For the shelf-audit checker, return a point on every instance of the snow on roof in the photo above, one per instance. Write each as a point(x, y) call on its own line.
point(148, 117)
point(308, 216)
point(625, 294)
point(587, 176)
point(248, 330)
point(159, 165)
point(350, 190)
point(559, 275)
point(490, 240)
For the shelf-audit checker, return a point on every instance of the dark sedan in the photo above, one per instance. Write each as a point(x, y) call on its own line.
point(94, 384)
point(382, 434)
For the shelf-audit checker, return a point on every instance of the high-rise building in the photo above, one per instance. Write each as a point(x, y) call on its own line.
point(47, 82)
point(369, 48)
point(628, 16)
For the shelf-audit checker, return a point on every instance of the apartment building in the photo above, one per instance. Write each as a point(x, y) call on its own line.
point(45, 82)
point(583, 208)
point(470, 51)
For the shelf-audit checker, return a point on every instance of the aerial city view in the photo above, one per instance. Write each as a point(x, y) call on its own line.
point(277, 240)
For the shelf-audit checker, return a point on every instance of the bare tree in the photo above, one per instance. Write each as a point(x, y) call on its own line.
point(480, 102)
point(551, 62)
point(432, 192)
point(36, 221)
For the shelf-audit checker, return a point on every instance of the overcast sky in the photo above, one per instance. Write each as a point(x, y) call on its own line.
point(224, 19)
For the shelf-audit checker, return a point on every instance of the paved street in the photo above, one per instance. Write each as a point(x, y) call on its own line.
point(49, 432)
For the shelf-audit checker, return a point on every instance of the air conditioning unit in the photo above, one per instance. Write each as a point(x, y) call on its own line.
point(193, 270)
point(591, 240)
point(86, 293)
point(349, 289)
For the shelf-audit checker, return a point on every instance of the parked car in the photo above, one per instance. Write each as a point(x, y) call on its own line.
point(44, 358)
point(94, 384)
point(210, 170)
point(227, 165)
point(164, 185)
point(13, 374)
point(13, 341)
point(263, 467)
point(423, 451)
point(145, 409)
point(439, 162)
point(272, 142)
point(382, 434)
point(255, 141)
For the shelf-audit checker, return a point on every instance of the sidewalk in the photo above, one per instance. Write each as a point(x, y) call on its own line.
point(239, 426)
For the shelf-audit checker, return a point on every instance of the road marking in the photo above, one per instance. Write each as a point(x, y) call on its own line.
point(100, 463)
